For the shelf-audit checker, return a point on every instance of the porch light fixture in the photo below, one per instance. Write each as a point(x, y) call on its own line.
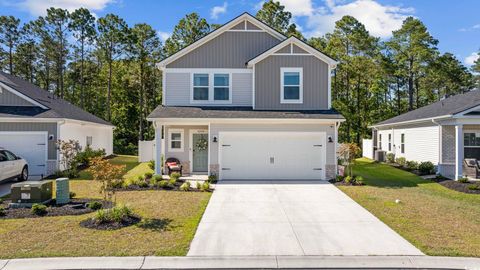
point(330, 140)
point(215, 139)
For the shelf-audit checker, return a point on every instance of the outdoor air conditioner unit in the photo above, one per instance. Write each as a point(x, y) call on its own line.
point(380, 155)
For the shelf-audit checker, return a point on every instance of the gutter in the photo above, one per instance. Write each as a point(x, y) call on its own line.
point(413, 121)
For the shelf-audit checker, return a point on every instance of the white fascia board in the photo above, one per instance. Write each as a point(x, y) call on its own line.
point(207, 70)
point(15, 92)
point(218, 32)
point(293, 40)
point(462, 113)
point(412, 121)
point(50, 120)
point(206, 121)
point(87, 123)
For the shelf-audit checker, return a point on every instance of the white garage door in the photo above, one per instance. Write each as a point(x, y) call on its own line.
point(272, 155)
point(32, 146)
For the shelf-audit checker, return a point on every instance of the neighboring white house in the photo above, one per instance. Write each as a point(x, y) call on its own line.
point(445, 133)
point(32, 120)
point(246, 102)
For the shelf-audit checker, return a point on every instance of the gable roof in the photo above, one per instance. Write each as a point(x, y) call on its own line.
point(245, 16)
point(44, 104)
point(444, 108)
point(293, 40)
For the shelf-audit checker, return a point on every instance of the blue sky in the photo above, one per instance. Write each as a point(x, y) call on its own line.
point(455, 24)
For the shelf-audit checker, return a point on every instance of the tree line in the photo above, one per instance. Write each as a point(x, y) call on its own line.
point(108, 68)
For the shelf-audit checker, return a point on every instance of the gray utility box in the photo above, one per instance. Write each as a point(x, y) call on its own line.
point(62, 193)
point(30, 192)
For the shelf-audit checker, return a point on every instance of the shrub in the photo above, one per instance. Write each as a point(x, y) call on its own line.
point(212, 178)
point(359, 180)
point(412, 165)
point(95, 205)
point(172, 182)
point(175, 176)
point(205, 186)
point(401, 161)
point(185, 186)
point(143, 184)
point(151, 164)
point(140, 178)
point(463, 180)
point(157, 177)
point(2, 211)
point(1, 200)
point(148, 175)
point(390, 157)
point(118, 183)
point(162, 184)
point(39, 209)
point(426, 167)
point(473, 187)
point(199, 185)
point(339, 178)
point(347, 153)
point(115, 214)
point(72, 194)
point(83, 157)
point(348, 179)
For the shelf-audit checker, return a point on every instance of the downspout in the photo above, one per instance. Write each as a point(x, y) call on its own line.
point(57, 163)
point(440, 145)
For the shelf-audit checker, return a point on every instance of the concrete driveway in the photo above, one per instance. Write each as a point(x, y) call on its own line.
point(291, 218)
point(5, 187)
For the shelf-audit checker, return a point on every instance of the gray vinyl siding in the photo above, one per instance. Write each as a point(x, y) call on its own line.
point(178, 87)
point(228, 50)
point(328, 128)
point(239, 26)
point(251, 26)
point(7, 98)
point(315, 83)
point(285, 49)
point(51, 128)
point(297, 49)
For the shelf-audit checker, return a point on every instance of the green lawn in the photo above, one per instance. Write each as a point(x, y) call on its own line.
point(437, 220)
point(170, 219)
point(129, 161)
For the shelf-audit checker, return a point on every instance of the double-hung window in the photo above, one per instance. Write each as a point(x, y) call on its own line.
point(291, 85)
point(200, 87)
point(389, 142)
point(402, 143)
point(175, 137)
point(380, 141)
point(221, 87)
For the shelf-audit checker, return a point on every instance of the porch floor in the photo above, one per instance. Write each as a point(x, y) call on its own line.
point(190, 177)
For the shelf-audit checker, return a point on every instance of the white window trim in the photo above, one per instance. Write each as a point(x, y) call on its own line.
point(91, 141)
point(211, 87)
point(402, 151)
point(182, 140)
point(290, 101)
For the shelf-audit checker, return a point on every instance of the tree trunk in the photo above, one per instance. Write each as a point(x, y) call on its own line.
point(82, 91)
point(410, 87)
point(109, 90)
point(141, 101)
point(10, 51)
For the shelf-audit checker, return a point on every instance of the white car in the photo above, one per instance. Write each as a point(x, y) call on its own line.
point(12, 166)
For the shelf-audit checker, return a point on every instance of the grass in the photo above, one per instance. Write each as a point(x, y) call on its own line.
point(437, 220)
point(129, 161)
point(169, 222)
point(138, 170)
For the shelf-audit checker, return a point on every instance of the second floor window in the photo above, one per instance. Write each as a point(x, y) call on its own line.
point(221, 86)
point(200, 87)
point(291, 85)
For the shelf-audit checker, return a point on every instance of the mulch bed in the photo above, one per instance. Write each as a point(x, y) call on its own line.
point(128, 221)
point(343, 183)
point(458, 186)
point(176, 187)
point(75, 207)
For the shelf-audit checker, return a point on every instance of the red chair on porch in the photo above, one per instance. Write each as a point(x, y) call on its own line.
point(173, 165)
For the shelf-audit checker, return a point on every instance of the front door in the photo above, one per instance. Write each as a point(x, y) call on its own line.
point(200, 152)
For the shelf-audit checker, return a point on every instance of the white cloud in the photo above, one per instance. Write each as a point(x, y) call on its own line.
point(258, 6)
point(380, 20)
point(472, 28)
point(218, 10)
point(470, 60)
point(298, 7)
point(39, 7)
point(163, 35)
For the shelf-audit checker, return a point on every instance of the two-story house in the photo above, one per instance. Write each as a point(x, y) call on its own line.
point(246, 102)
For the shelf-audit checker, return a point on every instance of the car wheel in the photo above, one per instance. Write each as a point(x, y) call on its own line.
point(24, 174)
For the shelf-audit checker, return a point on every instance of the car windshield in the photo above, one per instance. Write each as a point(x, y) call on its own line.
point(3, 157)
point(10, 155)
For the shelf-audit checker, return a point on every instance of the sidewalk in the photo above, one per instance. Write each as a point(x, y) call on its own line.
point(265, 262)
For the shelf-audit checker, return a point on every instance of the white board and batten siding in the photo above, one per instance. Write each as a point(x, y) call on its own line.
point(367, 148)
point(421, 142)
point(102, 136)
point(178, 87)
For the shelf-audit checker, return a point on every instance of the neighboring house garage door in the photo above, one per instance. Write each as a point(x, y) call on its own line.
point(272, 155)
point(32, 146)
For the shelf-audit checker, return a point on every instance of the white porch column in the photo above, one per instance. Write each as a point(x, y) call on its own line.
point(458, 151)
point(158, 148)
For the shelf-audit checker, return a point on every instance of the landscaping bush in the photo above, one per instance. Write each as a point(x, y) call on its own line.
point(411, 165)
point(143, 184)
point(185, 186)
point(39, 209)
point(175, 176)
point(339, 178)
point(162, 184)
point(148, 175)
point(199, 185)
point(140, 178)
point(473, 187)
point(117, 183)
point(348, 180)
point(426, 167)
point(212, 178)
point(157, 177)
point(463, 180)
point(95, 205)
point(83, 157)
point(359, 180)
point(401, 161)
point(172, 182)
point(151, 164)
point(205, 186)
point(2, 211)
point(115, 214)
point(72, 194)
point(390, 158)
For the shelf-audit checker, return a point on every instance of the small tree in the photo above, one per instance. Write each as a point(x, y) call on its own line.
point(347, 153)
point(107, 174)
point(68, 152)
